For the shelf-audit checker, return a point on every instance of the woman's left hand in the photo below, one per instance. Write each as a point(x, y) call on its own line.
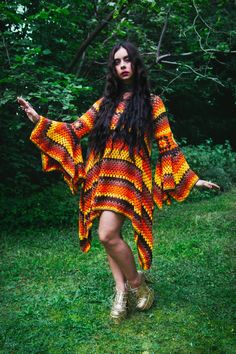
point(207, 184)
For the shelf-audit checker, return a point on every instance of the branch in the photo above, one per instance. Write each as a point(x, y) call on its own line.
point(159, 58)
point(195, 72)
point(211, 51)
point(162, 35)
point(205, 23)
point(194, 27)
point(175, 78)
point(7, 53)
point(80, 64)
point(198, 15)
point(91, 37)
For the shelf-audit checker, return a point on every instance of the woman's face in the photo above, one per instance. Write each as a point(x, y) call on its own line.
point(123, 65)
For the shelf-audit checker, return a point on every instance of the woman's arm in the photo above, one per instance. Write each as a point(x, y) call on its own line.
point(165, 139)
point(173, 175)
point(81, 127)
point(59, 142)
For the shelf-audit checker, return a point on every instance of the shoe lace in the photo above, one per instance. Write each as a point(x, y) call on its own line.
point(119, 297)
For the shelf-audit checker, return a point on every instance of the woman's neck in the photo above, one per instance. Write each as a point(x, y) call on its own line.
point(126, 87)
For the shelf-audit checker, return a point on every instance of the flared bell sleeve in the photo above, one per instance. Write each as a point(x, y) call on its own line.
point(60, 145)
point(173, 176)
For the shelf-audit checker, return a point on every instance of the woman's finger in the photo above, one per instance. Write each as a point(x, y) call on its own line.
point(214, 185)
point(23, 102)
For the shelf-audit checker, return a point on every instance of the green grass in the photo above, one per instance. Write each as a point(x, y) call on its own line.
point(55, 299)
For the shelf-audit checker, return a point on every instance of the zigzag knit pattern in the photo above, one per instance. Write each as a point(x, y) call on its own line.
point(116, 182)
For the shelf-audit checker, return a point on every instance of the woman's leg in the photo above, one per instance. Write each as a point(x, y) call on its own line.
point(120, 256)
point(118, 276)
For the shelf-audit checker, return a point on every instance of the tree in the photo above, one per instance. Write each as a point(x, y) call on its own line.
point(54, 53)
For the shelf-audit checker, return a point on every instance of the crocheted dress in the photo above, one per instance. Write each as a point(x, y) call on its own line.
point(116, 182)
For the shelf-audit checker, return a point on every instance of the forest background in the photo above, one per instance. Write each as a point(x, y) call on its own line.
point(55, 298)
point(54, 54)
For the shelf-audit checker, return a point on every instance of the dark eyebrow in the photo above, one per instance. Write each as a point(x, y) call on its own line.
point(126, 57)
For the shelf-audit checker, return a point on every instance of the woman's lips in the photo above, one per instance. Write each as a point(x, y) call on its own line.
point(125, 73)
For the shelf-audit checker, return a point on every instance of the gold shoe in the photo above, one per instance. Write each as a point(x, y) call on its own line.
point(143, 294)
point(119, 306)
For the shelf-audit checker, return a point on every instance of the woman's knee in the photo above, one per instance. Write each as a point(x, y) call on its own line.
point(108, 236)
point(110, 227)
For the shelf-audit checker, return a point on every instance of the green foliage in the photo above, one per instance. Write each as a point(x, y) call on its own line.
point(39, 40)
point(213, 162)
point(54, 205)
point(53, 91)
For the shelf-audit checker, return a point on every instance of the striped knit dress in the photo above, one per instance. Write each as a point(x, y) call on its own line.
point(116, 182)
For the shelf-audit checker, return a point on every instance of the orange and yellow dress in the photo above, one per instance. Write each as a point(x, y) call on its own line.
point(115, 181)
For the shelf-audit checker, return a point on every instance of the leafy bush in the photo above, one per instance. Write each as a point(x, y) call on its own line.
point(51, 206)
point(213, 162)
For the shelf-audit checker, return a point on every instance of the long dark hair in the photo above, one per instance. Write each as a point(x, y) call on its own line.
point(136, 120)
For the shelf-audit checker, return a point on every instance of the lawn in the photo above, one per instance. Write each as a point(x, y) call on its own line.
point(56, 299)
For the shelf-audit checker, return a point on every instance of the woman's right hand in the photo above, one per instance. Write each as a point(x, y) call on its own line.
point(26, 106)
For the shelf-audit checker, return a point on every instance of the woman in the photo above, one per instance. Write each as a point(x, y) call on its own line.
point(116, 179)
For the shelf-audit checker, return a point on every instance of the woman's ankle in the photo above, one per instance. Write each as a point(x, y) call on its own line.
point(136, 282)
point(121, 287)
